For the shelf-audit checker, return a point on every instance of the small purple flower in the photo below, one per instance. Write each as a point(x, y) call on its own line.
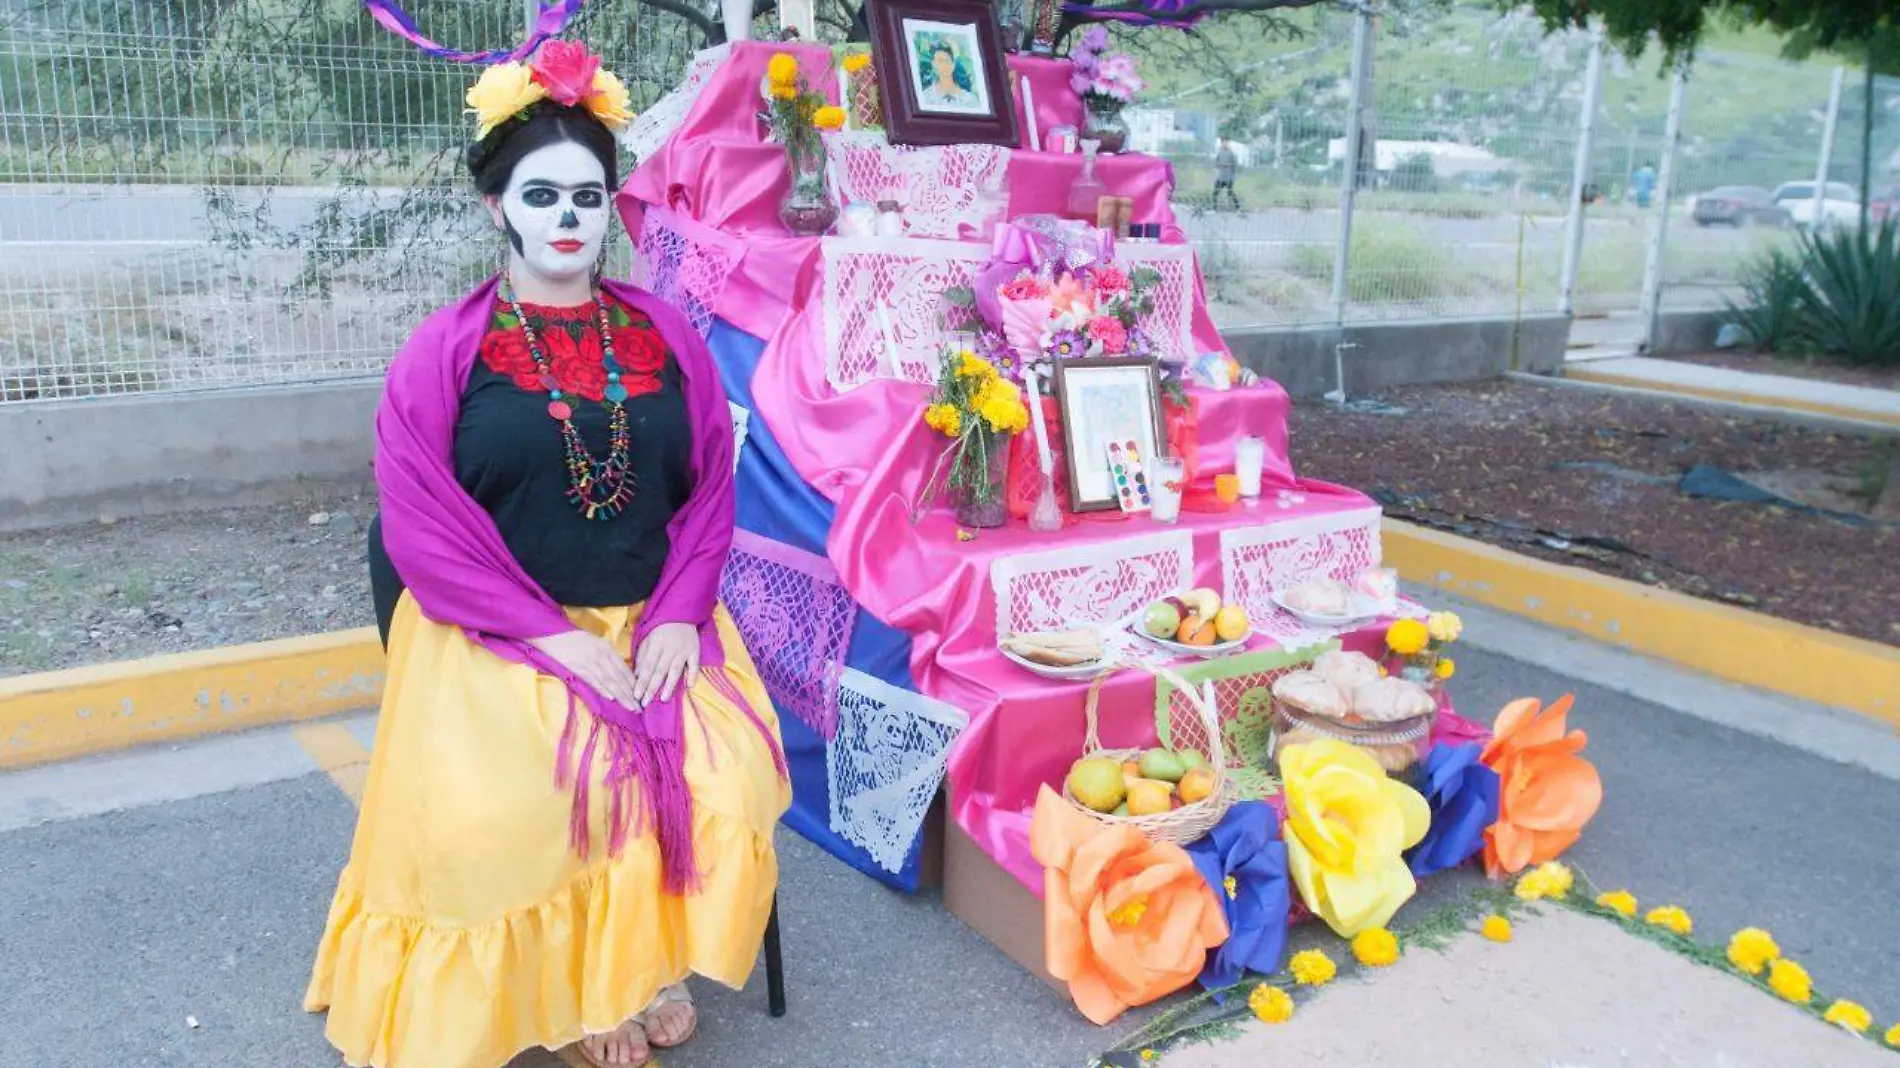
point(1080, 82)
point(1067, 344)
point(1140, 345)
point(992, 347)
point(1095, 38)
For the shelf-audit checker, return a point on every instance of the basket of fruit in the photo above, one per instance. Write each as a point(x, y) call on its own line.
point(1169, 795)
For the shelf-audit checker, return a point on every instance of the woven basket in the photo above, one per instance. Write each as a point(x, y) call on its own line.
point(1189, 822)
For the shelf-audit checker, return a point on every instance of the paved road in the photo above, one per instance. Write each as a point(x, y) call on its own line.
point(116, 928)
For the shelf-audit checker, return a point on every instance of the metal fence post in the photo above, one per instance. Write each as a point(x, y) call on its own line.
point(1826, 162)
point(1580, 177)
point(1348, 188)
point(1659, 224)
point(531, 17)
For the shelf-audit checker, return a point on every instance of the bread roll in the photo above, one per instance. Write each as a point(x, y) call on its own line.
point(1346, 670)
point(1391, 699)
point(1311, 694)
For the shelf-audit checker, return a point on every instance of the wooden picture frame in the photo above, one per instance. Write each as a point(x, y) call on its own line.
point(942, 72)
point(1104, 399)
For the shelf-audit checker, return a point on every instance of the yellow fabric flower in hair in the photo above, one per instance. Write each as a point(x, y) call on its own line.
point(609, 101)
point(856, 62)
point(1444, 626)
point(1270, 1004)
point(1848, 1014)
point(828, 118)
point(1407, 637)
point(502, 92)
point(1791, 981)
point(1445, 668)
point(1375, 948)
point(1752, 949)
point(1618, 901)
point(782, 70)
point(1496, 928)
point(1670, 918)
point(1312, 967)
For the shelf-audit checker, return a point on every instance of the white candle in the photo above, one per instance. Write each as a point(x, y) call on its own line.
point(1043, 458)
point(844, 98)
point(892, 365)
point(1029, 113)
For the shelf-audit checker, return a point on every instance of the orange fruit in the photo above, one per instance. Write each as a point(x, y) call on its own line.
point(1197, 785)
point(1196, 631)
point(1150, 798)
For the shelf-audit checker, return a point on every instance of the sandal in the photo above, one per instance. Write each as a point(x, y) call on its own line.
point(581, 1050)
point(670, 995)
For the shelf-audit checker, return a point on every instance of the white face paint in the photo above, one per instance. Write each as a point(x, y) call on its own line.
point(555, 213)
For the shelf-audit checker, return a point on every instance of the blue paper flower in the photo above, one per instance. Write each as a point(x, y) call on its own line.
point(1244, 860)
point(1463, 796)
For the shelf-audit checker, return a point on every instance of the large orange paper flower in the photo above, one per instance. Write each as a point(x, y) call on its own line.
point(1347, 826)
point(1127, 920)
point(1547, 792)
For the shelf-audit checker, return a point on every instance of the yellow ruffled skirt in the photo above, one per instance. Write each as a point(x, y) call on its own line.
point(465, 929)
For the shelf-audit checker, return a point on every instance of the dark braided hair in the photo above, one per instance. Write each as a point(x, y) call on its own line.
point(491, 160)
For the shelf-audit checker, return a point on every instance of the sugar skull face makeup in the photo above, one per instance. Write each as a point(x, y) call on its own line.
point(554, 212)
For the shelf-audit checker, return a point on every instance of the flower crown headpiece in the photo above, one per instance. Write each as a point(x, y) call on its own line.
point(562, 71)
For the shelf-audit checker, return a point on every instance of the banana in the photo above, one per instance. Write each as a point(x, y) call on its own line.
point(1203, 602)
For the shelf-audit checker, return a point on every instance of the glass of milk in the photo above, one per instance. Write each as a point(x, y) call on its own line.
point(1250, 454)
point(1165, 482)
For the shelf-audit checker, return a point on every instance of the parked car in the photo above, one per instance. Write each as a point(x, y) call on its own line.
point(1739, 205)
point(1840, 204)
point(1884, 204)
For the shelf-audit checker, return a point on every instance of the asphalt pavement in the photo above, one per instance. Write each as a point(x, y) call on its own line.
point(119, 931)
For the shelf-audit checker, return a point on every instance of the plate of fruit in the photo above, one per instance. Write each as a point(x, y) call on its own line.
point(1195, 624)
point(1152, 783)
point(1062, 654)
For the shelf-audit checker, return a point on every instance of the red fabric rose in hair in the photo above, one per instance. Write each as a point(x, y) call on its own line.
point(566, 71)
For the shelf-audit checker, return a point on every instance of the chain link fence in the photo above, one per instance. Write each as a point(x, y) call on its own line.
point(200, 194)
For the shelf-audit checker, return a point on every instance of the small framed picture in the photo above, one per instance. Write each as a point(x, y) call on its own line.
point(1106, 401)
point(942, 73)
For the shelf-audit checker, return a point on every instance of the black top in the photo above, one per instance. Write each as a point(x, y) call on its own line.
point(510, 458)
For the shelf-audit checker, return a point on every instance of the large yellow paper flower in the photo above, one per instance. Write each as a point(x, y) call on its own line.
point(609, 101)
point(502, 92)
point(1347, 825)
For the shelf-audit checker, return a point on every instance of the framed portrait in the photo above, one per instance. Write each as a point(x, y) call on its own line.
point(941, 72)
point(1106, 401)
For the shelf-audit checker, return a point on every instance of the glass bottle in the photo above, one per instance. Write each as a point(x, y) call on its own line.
point(1086, 194)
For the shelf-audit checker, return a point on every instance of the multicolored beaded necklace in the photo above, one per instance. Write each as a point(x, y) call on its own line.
point(601, 489)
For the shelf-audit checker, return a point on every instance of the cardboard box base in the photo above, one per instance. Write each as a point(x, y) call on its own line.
point(979, 892)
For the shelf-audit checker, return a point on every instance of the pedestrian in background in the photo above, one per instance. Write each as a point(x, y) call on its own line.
point(1226, 167)
point(1643, 185)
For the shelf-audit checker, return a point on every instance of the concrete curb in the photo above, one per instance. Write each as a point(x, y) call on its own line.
point(56, 715)
point(63, 714)
point(1755, 411)
point(1734, 644)
point(1753, 400)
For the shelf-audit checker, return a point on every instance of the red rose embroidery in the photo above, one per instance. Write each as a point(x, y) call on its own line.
point(640, 352)
point(577, 368)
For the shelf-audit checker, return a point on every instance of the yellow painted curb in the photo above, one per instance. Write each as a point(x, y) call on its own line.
point(1759, 400)
point(1730, 643)
point(56, 715)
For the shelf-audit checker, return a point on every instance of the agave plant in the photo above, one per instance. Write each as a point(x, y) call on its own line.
point(1852, 300)
point(1774, 295)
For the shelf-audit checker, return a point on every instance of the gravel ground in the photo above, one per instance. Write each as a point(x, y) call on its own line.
point(1590, 479)
point(167, 584)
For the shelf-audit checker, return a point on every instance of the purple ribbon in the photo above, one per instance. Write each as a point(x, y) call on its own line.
point(1033, 243)
point(552, 19)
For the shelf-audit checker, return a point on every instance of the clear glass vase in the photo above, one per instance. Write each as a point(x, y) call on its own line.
point(982, 502)
point(1102, 122)
point(807, 209)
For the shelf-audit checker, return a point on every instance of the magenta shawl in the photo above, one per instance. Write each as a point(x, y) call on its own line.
point(452, 559)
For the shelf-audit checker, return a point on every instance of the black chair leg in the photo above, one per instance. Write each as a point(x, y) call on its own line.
point(774, 964)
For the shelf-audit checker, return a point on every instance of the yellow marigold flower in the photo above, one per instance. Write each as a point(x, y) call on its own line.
point(1375, 948)
point(970, 365)
point(945, 419)
point(1312, 967)
point(1893, 1036)
point(1548, 880)
point(1496, 928)
point(1407, 637)
point(1129, 914)
point(1270, 1004)
point(1232, 886)
point(828, 118)
point(1752, 949)
point(502, 92)
point(782, 69)
point(784, 92)
point(1560, 876)
point(1444, 626)
point(1446, 667)
point(609, 101)
point(856, 62)
point(1148, 1054)
point(1791, 981)
point(1670, 917)
point(1848, 1014)
point(1618, 901)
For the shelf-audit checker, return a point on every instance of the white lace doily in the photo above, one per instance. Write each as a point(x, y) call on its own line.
point(1089, 584)
point(940, 187)
point(885, 763)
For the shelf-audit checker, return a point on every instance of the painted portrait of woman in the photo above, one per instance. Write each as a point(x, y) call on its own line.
point(947, 67)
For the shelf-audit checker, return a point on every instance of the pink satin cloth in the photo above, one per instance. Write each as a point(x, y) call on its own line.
point(868, 452)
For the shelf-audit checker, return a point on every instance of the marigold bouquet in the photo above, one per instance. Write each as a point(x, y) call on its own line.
point(1418, 647)
point(795, 112)
point(975, 407)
